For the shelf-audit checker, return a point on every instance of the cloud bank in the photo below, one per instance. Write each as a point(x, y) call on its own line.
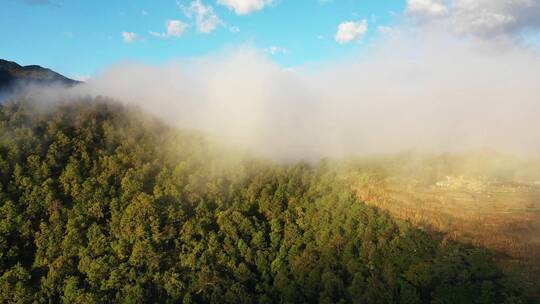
point(415, 91)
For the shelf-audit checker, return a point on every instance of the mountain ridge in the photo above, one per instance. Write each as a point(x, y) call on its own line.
point(13, 75)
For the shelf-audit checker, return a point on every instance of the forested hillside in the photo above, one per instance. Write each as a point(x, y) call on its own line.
point(481, 197)
point(101, 204)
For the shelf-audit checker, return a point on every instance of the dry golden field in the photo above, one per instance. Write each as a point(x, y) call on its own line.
point(499, 212)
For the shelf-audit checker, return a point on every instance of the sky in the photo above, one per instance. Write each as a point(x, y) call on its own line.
point(79, 38)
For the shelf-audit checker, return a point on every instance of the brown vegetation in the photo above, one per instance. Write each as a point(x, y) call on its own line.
point(500, 214)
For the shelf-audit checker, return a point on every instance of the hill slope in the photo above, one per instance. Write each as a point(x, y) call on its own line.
point(482, 198)
point(101, 204)
point(12, 74)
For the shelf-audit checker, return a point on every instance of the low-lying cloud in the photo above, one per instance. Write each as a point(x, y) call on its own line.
point(413, 90)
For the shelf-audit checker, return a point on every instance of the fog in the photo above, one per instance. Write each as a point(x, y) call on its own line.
point(412, 89)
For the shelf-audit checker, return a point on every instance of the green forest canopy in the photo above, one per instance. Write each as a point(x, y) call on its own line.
point(101, 204)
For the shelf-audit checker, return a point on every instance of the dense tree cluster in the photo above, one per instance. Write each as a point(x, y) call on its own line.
point(101, 204)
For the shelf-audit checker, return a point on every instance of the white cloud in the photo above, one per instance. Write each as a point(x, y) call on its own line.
point(175, 28)
point(385, 29)
point(349, 31)
point(129, 37)
point(234, 29)
point(492, 17)
point(426, 8)
point(275, 50)
point(205, 17)
point(144, 13)
point(483, 18)
point(243, 7)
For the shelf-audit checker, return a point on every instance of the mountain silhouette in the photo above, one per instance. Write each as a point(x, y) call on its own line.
point(14, 76)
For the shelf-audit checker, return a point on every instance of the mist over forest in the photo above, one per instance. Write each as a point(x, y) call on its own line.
point(375, 152)
point(412, 91)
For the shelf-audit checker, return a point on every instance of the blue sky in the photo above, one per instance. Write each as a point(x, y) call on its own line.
point(82, 37)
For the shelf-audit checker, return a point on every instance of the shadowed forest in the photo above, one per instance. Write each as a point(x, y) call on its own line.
point(101, 203)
